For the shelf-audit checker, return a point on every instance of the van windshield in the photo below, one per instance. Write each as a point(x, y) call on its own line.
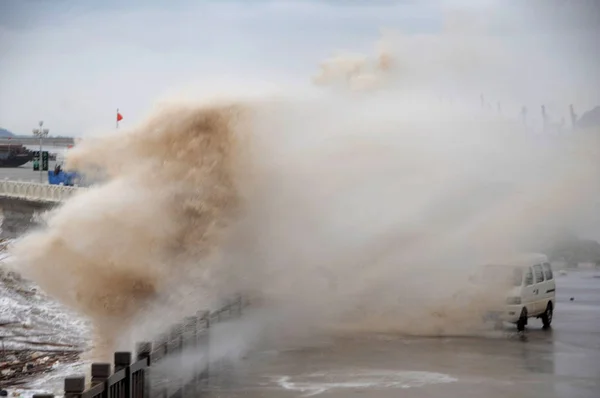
point(517, 278)
point(513, 275)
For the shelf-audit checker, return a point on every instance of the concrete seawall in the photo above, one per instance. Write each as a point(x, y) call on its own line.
point(18, 215)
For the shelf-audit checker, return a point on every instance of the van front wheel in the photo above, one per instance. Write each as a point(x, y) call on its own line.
point(547, 316)
point(522, 320)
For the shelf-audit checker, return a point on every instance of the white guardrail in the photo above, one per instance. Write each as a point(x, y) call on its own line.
point(36, 192)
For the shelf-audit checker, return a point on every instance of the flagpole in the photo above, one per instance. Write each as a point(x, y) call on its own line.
point(117, 118)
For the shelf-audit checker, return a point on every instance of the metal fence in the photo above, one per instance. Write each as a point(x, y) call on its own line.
point(36, 192)
point(128, 379)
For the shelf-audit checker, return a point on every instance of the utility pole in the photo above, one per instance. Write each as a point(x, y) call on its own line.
point(41, 133)
point(544, 118)
point(573, 117)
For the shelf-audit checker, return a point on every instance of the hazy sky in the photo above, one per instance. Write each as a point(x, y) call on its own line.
point(73, 62)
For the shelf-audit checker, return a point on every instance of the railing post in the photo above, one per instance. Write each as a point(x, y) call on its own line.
point(206, 373)
point(165, 341)
point(74, 387)
point(199, 333)
point(144, 351)
point(177, 336)
point(165, 349)
point(100, 372)
point(122, 360)
point(191, 343)
point(190, 332)
point(180, 336)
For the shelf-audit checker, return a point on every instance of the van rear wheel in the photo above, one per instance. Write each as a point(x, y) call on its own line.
point(522, 322)
point(547, 316)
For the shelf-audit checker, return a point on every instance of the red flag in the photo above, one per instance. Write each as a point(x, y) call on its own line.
point(119, 117)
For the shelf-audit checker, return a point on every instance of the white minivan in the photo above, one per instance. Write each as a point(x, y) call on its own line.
point(533, 291)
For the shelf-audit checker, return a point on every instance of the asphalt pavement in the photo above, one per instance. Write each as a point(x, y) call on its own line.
point(557, 363)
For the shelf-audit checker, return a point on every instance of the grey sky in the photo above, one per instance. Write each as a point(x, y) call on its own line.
point(73, 62)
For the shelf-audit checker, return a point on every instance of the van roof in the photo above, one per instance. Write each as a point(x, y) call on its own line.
point(522, 259)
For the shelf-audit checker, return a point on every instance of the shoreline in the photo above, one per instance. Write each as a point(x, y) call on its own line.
point(19, 367)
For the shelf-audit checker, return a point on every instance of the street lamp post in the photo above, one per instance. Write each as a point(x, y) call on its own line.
point(41, 133)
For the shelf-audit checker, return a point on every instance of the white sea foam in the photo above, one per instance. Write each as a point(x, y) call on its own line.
point(318, 383)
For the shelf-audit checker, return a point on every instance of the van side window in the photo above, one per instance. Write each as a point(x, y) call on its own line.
point(539, 273)
point(548, 271)
point(528, 277)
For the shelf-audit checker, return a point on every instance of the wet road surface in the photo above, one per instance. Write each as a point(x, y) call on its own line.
point(561, 362)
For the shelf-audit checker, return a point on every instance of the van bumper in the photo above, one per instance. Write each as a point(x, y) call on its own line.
point(510, 313)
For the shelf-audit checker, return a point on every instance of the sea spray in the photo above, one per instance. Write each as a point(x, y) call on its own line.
point(367, 210)
point(168, 191)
